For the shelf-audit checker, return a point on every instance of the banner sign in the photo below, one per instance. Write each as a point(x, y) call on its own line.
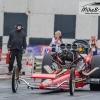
point(38, 50)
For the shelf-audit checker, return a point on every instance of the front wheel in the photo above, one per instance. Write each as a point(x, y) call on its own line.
point(15, 77)
point(72, 81)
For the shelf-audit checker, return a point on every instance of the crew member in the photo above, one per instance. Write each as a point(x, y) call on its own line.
point(16, 45)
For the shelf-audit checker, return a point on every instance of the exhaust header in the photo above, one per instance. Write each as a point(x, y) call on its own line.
point(89, 73)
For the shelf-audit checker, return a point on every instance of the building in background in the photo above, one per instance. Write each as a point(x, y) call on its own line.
point(41, 18)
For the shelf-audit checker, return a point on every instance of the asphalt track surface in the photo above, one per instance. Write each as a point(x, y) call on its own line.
point(27, 94)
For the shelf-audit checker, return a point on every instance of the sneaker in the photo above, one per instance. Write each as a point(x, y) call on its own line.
point(9, 73)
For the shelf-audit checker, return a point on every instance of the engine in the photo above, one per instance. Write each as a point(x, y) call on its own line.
point(66, 55)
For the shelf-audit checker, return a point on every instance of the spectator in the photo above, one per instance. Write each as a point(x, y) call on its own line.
point(93, 44)
point(57, 40)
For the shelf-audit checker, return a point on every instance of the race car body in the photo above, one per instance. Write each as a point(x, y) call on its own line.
point(62, 76)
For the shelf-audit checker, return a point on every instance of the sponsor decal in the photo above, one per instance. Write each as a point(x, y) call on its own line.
point(89, 8)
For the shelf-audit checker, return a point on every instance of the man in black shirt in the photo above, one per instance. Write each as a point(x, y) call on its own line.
point(16, 45)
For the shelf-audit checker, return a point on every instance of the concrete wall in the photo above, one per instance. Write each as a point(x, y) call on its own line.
point(41, 15)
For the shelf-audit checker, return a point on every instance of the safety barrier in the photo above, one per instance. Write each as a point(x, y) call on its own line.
point(26, 59)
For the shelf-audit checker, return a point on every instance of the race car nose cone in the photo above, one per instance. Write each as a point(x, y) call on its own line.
point(42, 86)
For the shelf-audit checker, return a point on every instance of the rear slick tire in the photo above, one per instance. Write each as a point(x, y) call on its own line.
point(47, 60)
point(95, 62)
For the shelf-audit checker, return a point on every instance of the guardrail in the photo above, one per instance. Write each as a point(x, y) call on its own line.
point(38, 59)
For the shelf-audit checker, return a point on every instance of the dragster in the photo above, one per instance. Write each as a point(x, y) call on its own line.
point(73, 67)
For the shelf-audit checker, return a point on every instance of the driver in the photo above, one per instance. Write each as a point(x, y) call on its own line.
point(57, 40)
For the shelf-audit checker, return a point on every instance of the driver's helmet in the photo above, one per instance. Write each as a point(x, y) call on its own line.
point(81, 48)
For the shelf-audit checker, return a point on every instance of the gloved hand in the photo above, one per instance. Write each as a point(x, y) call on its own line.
point(24, 50)
point(8, 49)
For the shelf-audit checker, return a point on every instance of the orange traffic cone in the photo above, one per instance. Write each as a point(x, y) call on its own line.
point(27, 62)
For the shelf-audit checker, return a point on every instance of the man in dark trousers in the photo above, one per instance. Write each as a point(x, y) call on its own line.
point(16, 46)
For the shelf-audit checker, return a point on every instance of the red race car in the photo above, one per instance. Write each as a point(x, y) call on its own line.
point(74, 66)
